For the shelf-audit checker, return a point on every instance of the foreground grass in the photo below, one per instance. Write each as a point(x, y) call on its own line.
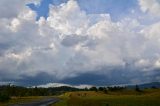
point(119, 98)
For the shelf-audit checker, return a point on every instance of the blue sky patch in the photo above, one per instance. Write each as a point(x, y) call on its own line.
point(116, 8)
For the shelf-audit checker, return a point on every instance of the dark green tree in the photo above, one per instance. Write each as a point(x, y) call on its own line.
point(137, 88)
point(93, 89)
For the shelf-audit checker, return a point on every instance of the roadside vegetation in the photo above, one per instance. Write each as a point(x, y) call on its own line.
point(19, 100)
point(10, 94)
point(146, 97)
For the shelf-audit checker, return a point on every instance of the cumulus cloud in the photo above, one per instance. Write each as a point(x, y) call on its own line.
point(71, 42)
point(150, 6)
point(10, 9)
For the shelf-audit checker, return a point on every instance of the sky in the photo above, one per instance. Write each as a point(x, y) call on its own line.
point(79, 42)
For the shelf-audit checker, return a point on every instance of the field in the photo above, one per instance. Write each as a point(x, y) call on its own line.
point(148, 97)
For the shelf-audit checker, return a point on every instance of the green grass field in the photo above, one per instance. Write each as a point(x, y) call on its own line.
point(150, 97)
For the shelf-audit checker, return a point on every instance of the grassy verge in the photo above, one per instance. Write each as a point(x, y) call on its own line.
point(63, 100)
point(119, 98)
point(19, 100)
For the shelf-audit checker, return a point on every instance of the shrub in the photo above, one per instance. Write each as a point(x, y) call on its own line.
point(4, 97)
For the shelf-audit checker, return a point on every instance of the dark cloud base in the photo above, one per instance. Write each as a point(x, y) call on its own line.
point(114, 77)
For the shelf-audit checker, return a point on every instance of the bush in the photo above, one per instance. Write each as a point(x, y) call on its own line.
point(4, 97)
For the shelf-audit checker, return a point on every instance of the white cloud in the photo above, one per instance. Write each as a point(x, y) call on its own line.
point(61, 84)
point(11, 8)
point(14, 25)
point(64, 18)
point(150, 6)
point(152, 31)
point(53, 85)
point(157, 64)
point(71, 42)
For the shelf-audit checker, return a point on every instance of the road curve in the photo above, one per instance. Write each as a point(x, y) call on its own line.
point(44, 102)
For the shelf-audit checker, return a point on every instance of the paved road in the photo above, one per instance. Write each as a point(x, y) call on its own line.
point(44, 102)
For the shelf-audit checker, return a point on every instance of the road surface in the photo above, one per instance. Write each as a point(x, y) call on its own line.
point(44, 102)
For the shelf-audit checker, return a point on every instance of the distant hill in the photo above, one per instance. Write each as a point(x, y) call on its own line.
point(146, 85)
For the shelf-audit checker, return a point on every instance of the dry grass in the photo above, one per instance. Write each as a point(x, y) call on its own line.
point(119, 98)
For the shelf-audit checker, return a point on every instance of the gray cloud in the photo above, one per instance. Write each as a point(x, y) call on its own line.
point(10, 9)
point(73, 40)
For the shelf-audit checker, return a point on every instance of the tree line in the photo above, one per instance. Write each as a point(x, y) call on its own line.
point(7, 91)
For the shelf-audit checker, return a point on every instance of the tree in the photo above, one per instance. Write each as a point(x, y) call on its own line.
point(93, 89)
point(101, 88)
point(153, 87)
point(137, 88)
